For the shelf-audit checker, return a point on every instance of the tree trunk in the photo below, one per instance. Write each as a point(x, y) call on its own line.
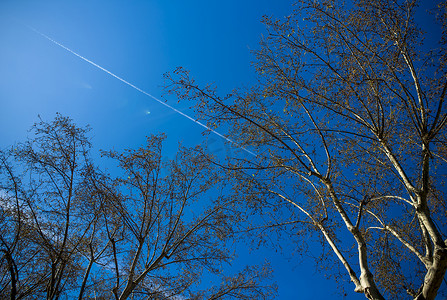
point(435, 274)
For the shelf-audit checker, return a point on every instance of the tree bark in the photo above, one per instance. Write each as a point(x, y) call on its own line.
point(435, 274)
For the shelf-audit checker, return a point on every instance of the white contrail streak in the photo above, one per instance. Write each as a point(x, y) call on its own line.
point(140, 90)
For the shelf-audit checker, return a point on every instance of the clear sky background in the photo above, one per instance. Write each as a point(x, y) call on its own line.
point(138, 41)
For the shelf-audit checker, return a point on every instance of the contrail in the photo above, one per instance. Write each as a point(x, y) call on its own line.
point(140, 90)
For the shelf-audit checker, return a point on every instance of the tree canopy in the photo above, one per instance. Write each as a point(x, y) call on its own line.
point(68, 229)
point(348, 124)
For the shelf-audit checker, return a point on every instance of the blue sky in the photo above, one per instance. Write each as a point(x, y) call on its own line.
point(138, 41)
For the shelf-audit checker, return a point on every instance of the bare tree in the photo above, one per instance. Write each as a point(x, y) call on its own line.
point(152, 230)
point(43, 230)
point(348, 124)
point(168, 237)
